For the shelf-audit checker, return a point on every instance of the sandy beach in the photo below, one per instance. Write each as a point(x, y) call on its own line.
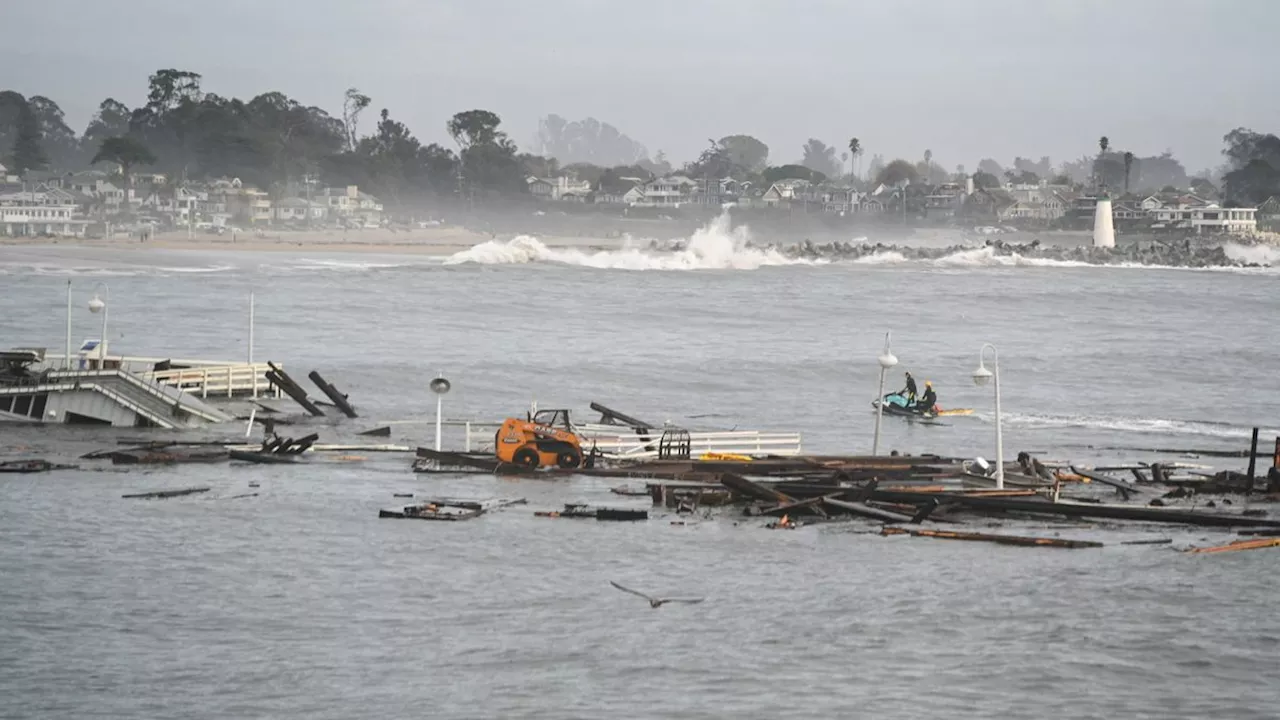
point(438, 242)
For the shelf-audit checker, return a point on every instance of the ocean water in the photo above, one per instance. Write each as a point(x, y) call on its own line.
point(300, 602)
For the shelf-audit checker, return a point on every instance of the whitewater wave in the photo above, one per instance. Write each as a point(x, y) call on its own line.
point(308, 266)
point(1256, 254)
point(715, 246)
point(1151, 426)
point(114, 271)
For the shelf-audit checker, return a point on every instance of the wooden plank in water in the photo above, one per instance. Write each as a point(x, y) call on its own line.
point(1258, 544)
point(999, 539)
point(168, 493)
point(866, 510)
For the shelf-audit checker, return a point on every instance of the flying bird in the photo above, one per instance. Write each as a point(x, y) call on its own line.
point(653, 601)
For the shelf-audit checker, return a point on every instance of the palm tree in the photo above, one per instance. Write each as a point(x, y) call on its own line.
point(1103, 144)
point(1128, 164)
point(855, 149)
point(125, 152)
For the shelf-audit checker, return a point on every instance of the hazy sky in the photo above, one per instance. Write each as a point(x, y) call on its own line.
point(966, 79)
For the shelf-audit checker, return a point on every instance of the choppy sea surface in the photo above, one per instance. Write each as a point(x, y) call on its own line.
point(299, 602)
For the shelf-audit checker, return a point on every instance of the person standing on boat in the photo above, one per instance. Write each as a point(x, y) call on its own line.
point(909, 392)
point(928, 399)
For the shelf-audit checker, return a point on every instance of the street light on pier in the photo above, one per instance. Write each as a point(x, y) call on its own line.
point(981, 377)
point(887, 361)
point(98, 305)
point(439, 386)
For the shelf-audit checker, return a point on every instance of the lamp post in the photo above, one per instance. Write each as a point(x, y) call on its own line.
point(439, 386)
point(887, 361)
point(981, 377)
point(66, 359)
point(97, 305)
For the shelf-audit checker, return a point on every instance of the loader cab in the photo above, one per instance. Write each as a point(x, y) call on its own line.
point(553, 418)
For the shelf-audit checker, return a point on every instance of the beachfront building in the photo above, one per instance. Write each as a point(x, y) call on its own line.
point(299, 210)
point(559, 188)
point(1206, 219)
point(48, 212)
point(666, 192)
point(351, 206)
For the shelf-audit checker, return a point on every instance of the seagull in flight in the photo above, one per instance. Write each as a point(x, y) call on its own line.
point(653, 601)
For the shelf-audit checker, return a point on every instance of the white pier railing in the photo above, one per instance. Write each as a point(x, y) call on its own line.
point(205, 378)
point(624, 443)
point(236, 380)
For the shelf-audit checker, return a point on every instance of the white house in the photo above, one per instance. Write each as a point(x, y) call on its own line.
point(39, 213)
point(559, 188)
point(671, 191)
point(782, 192)
point(1206, 218)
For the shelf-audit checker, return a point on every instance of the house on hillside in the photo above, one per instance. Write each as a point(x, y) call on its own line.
point(1269, 213)
point(783, 192)
point(559, 188)
point(351, 206)
point(672, 191)
point(989, 205)
point(300, 210)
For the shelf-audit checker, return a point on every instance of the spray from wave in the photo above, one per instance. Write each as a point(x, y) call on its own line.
point(715, 246)
point(1152, 426)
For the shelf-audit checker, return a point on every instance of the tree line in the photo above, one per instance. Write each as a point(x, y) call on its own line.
point(274, 142)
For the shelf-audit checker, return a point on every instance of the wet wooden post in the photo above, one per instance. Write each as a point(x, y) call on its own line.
point(1253, 462)
point(339, 400)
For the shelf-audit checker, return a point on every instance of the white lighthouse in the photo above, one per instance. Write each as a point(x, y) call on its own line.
point(1104, 232)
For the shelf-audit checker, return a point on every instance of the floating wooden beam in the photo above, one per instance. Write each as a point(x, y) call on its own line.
point(999, 539)
point(866, 510)
point(1238, 545)
point(168, 493)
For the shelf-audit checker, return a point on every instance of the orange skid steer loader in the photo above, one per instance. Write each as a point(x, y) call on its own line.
point(533, 444)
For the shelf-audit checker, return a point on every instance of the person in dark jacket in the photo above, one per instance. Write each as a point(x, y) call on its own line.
point(928, 399)
point(909, 392)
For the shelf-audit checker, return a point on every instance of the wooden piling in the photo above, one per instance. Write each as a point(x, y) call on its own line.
point(1253, 462)
point(282, 380)
point(339, 400)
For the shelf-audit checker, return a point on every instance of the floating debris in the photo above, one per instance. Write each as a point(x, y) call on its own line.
point(159, 494)
point(999, 539)
point(449, 509)
point(1237, 545)
point(32, 466)
point(582, 510)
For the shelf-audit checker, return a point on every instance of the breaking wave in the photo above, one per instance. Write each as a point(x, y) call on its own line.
point(110, 271)
point(315, 266)
point(1254, 254)
point(1153, 426)
point(715, 246)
